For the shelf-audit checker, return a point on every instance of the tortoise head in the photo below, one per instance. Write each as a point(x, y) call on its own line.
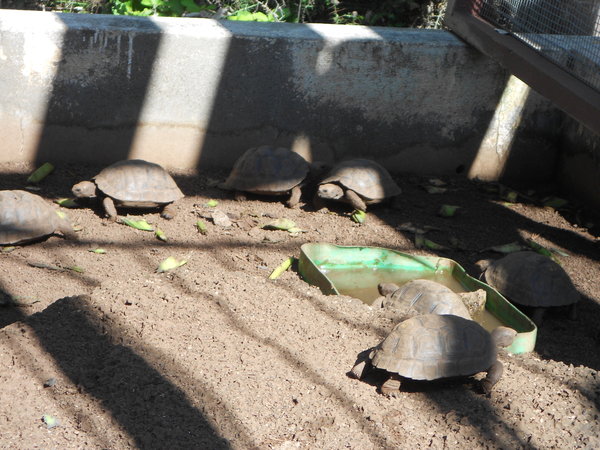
point(317, 169)
point(387, 288)
point(85, 189)
point(503, 336)
point(330, 191)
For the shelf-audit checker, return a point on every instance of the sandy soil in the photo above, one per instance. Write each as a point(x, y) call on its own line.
point(215, 355)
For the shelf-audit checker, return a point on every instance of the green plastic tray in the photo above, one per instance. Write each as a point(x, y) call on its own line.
point(317, 259)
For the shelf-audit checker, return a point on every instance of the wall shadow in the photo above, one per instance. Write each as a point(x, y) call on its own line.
point(153, 411)
point(108, 110)
point(246, 111)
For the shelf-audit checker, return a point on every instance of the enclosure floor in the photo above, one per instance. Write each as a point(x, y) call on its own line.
point(215, 355)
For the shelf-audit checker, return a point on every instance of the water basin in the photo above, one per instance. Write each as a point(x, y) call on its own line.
point(356, 271)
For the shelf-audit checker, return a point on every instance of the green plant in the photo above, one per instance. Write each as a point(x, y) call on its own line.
point(169, 8)
point(395, 13)
point(71, 6)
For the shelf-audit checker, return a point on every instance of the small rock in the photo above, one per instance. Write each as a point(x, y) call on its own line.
point(234, 215)
point(50, 382)
point(221, 219)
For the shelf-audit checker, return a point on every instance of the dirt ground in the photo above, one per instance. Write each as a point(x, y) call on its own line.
point(215, 355)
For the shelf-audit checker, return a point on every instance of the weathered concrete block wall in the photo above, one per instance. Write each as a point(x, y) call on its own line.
point(579, 163)
point(197, 93)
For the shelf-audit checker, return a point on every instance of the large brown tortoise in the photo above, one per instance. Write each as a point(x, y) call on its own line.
point(27, 217)
point(268, 170)
point(432, 346)
point(532, 280)
point(133, 183)
point(360, 182)
point(420, 297)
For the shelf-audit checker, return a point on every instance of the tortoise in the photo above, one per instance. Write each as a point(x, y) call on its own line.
point(360, 182)
point(433, 346)
point(420, 297)
point(132, 183)
point(268, 170)
point(532, 280)
point(26, 217)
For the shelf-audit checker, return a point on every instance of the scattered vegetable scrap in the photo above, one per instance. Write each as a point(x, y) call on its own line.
point(280, 224)
point(201, 226)
point(280, 269)
point(358, 216)
point(50, 421)
point(41, 265)
point(448, 210)
point(40, 173)
point(511, 196)
point(137, 224)
point(67, 202)
point(555, 202)
point(160, 234)
point(434, 189)
point(422, 242)
point(538, 248)
point(169, 264)
point(511, 247)
point(408, 226)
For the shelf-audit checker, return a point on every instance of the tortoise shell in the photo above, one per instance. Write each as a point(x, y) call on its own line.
point(426, 297)
point(531, 279)
point(25, 217)
point(433, 346)
point(367, 178)
point(267, 170)
point(136, 182)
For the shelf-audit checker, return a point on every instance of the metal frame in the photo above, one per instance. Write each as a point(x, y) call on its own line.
point(568, 92)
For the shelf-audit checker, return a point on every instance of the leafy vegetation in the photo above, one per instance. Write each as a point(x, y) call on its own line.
point(393, 13)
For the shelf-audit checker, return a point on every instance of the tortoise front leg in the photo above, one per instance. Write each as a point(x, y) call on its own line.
point(168, 211)
point(109, 208)
point(319, 203)
point(391, 388)
point(67, 230)
point(240, 196)
point(355, 200)
point(294, 197)
point(378, 302)
point(493, 375)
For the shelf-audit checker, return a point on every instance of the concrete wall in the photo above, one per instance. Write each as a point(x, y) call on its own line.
point(579, 164)
point(197, 93)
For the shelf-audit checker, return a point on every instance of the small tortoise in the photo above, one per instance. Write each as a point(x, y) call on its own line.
point(269, 170)
point(27, 217)
point(359, 182)
point(420, 297)
point(132, 183)
point(432, 346)
point(532, 280)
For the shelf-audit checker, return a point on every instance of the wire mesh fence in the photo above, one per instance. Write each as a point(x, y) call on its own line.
point(565, 31)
